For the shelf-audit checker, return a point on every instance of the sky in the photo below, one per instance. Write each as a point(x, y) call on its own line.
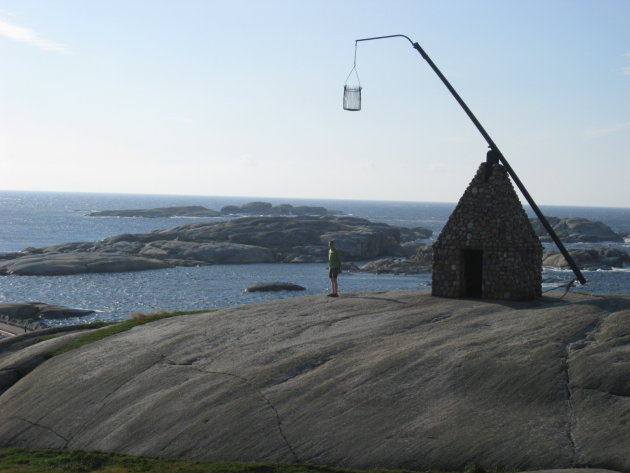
point(244, 97)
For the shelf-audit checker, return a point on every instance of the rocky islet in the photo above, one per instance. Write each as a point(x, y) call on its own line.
point(575, 229)
point(250, 208)
point(245, 240)
point(29, 316)
point(274, 287)
point(297, 239)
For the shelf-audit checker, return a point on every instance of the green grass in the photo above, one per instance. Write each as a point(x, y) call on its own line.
point(112, 329)
point(93, 325)
point(19, 460)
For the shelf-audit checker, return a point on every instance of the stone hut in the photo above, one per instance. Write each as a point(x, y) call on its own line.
point(488, 247)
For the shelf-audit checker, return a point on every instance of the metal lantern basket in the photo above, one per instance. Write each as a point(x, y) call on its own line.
point(352, 97)
point(352, 93)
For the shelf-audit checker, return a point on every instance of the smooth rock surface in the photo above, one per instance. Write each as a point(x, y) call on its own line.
point(19, 355)
point(186, 252)
point(572, 470)
point(395, 379)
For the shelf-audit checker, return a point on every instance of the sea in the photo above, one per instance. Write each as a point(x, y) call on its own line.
point(37, 219)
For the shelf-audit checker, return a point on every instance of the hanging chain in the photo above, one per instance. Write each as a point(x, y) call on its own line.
point(354, 66)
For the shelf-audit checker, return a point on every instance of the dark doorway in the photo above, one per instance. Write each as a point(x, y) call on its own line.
point(473, 270)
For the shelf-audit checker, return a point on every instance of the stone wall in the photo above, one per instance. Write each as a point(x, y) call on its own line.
point(490, 218)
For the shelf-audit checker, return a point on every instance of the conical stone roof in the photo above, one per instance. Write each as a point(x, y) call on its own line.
point(489, 215)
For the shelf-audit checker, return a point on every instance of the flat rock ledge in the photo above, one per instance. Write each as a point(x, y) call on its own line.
point(274, 287)
point(30, 315)
point(391, 379)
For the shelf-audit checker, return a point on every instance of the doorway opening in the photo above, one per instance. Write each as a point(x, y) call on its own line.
point(473, 272)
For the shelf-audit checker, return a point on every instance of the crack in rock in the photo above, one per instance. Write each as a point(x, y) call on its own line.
point(575, 342)
point(439, 317)
point(301, 369)
point(38, 425)
point(190, 364)
point(254, 388)
point(107, 396)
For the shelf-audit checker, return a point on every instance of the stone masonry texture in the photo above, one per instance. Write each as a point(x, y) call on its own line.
point(490, 219)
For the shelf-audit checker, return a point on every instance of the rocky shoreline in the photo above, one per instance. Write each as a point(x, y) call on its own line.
point(297, 239)
point(245, 240)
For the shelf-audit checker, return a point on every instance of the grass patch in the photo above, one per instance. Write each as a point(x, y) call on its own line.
point(92, 325)
point(112, 329)
point(19, 460)
point(48, 337)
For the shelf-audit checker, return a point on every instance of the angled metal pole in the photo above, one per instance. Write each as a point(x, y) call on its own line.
point(495, 149)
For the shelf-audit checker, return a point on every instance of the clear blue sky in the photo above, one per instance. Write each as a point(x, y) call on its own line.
point(243, 97)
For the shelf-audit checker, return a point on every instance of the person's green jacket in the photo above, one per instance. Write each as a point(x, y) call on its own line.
point(334, 259)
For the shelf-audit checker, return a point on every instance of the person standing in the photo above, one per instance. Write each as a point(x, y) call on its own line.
point(334, 267)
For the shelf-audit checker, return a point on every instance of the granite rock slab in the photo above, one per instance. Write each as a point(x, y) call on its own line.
point(392, 379)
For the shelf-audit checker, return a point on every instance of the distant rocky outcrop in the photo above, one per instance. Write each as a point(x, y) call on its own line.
point(395, 266)
point(265, 208)
point(589, 258)
point(31, 314)
point(162, 212)
point(410, 234)
point(251, 208)
point(423, 255)
point(53, 263)
point(349, 267)
point(274, 287)
point(574, 229)
point(417, 260)
point(243, 240)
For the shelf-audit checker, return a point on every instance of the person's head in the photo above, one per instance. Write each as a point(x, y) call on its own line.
point(331, 244)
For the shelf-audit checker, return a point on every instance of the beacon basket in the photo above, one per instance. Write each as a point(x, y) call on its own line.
point(352, 97)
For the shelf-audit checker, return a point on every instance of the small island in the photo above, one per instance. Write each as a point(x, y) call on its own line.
point(30, 315)
point(251, 208)
point(162, 212)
